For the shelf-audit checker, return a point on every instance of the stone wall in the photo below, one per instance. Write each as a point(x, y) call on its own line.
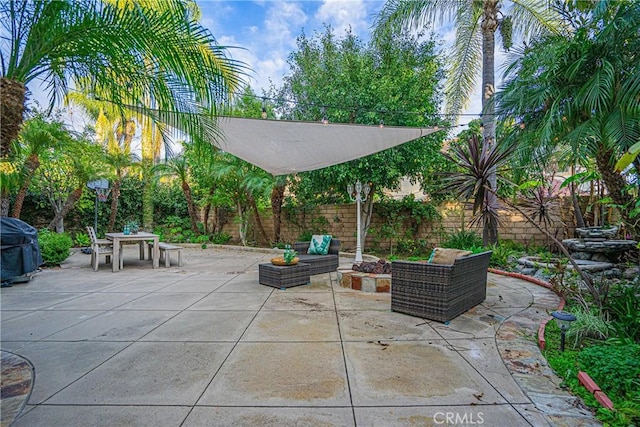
point(340, 221)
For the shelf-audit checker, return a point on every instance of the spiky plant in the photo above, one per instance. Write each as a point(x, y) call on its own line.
point(476, 162)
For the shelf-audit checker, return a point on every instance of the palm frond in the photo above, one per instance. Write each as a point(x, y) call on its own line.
point(402, 15)
point(536, 17)
point(464, 61)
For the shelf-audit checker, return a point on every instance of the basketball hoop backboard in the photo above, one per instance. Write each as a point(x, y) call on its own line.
point(98, 183)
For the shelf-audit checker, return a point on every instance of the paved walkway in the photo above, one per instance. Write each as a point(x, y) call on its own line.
point(206, 345)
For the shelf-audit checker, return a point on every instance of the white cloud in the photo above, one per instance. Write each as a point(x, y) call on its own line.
point(345, 14)
point(282, 24)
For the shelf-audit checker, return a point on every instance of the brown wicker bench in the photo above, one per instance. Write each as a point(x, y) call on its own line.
point(439, 292)
point(319, 263)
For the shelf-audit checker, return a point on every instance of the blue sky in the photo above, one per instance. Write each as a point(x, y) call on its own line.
point(266, 31)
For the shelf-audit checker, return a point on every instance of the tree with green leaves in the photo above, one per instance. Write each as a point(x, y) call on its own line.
point(179, 167)
point(391, 82)
point(35, 137)
point(476, 24)
point(581, 95)
point(150, 57)
point(243, 184)
point(64, 173)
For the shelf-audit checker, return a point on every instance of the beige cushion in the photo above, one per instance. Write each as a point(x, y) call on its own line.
point(447, 256)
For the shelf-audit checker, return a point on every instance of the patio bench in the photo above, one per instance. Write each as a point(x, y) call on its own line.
point(165, 249)
point(319, 263)
point(437, 291)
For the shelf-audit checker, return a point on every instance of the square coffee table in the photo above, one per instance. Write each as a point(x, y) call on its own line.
point(284, 276)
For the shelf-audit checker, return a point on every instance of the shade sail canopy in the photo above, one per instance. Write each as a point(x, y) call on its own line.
point(282, 147)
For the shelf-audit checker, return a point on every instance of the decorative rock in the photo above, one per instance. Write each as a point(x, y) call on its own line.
point(601, 232)
point(379, 267)
point(599, 258)
point(631, 273)
point(537, 262)
point(543, 275)
point(613, 273)
point(591, 266)
point(529, 271)
point(581, 255)
point(599, 246)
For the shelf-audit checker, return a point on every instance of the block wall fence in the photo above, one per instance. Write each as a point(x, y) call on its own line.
point(341, 223)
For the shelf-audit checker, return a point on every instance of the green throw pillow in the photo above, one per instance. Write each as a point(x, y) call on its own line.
point(319, 244)
point(433, 253)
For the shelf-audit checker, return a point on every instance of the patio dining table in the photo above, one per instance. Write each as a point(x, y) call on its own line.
point(141, 237)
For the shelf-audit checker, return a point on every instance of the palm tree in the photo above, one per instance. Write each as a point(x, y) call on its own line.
point(244, 182)
point(476, 23)
point(277, 200)
point(122, 53)
point(179, 167)
point(583, 93)
point(120, 163)
point(36, 136)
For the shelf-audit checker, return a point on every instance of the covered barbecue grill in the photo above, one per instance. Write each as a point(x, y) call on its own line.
point(19, 250)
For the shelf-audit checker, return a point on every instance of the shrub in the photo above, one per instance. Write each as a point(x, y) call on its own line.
point(305, 236)
point(220, 238)
point(54, 247)
point(462, 240)
point(82, 240)
point(504, 254)
point(624, 306)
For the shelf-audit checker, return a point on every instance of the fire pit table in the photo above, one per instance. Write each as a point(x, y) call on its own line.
point(284, 276)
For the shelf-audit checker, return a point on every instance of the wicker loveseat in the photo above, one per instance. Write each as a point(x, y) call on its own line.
point(319, 263)
point(439, 292)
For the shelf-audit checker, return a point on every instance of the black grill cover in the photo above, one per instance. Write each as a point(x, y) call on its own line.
point(19, 248)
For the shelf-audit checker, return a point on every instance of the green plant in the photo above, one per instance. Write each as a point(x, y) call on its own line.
point(463, 239)
point(54, 247)
point(624, 306)
point(200, 239)
point(134, 226)
point(289, 254)
point(305, 236)
point(220, 238)
point(320, 225)
point(504, 255)
point(615, 368)
point(82, 240)
point(588, 325)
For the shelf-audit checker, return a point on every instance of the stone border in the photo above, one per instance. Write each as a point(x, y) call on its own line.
point(583, 377)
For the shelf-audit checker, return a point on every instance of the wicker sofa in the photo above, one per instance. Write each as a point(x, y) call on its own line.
point(319, 263)
point(439, 292)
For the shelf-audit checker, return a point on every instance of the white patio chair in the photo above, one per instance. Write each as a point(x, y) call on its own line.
point(100, 247)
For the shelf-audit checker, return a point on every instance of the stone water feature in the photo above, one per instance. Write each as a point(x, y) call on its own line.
point(598, 244)
point(595, 250)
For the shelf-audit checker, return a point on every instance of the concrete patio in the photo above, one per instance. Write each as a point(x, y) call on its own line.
point(206, 345)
